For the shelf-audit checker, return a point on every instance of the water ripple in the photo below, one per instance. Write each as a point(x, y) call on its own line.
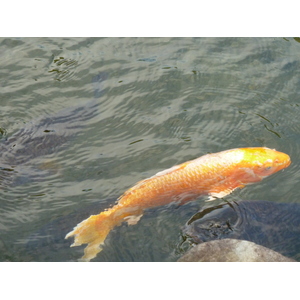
point(127, 108)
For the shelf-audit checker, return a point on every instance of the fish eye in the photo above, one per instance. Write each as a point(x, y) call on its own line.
point(268, 168)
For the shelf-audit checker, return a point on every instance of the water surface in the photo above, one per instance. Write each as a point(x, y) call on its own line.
point(122, 109)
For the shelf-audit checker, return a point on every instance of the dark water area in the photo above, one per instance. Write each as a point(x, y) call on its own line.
point(266, 223)
point(83, 119)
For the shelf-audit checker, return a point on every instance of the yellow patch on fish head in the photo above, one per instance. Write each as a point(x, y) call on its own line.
point(264, 161)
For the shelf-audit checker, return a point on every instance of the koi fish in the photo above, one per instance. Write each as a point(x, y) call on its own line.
point(215, 175)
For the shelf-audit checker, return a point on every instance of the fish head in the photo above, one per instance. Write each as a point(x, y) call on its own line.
point(263, 162)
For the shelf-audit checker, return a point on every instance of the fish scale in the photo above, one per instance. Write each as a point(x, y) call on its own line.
point(214, 175)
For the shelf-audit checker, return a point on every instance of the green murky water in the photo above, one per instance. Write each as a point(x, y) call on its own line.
point(83, 119)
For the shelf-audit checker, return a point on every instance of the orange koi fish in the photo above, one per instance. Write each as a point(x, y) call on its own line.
point(215, 175)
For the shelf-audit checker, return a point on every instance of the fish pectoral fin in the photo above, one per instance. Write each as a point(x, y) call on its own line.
point(210, 198)
point(132, 220)
point(221, 194)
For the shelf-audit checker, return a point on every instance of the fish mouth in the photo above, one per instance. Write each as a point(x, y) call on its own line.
point(287, 161)
point(283, 163)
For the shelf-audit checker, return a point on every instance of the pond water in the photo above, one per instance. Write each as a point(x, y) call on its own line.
point(83, 119)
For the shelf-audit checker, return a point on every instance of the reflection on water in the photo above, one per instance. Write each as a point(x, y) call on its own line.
point(90, 117)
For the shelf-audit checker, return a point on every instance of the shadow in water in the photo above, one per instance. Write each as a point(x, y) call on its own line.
point(44, 136)
point(273, 225)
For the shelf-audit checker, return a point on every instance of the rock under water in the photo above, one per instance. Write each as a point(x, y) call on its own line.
point(272, 225)
point(231, 250)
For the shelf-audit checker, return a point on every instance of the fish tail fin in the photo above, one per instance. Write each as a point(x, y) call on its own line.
point(92, 231)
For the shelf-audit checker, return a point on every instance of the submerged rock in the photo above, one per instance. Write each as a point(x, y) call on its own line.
point(231, 250)
point(272, 225)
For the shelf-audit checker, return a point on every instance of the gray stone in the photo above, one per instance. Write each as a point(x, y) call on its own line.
point(231, 250)
point(273, 225)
